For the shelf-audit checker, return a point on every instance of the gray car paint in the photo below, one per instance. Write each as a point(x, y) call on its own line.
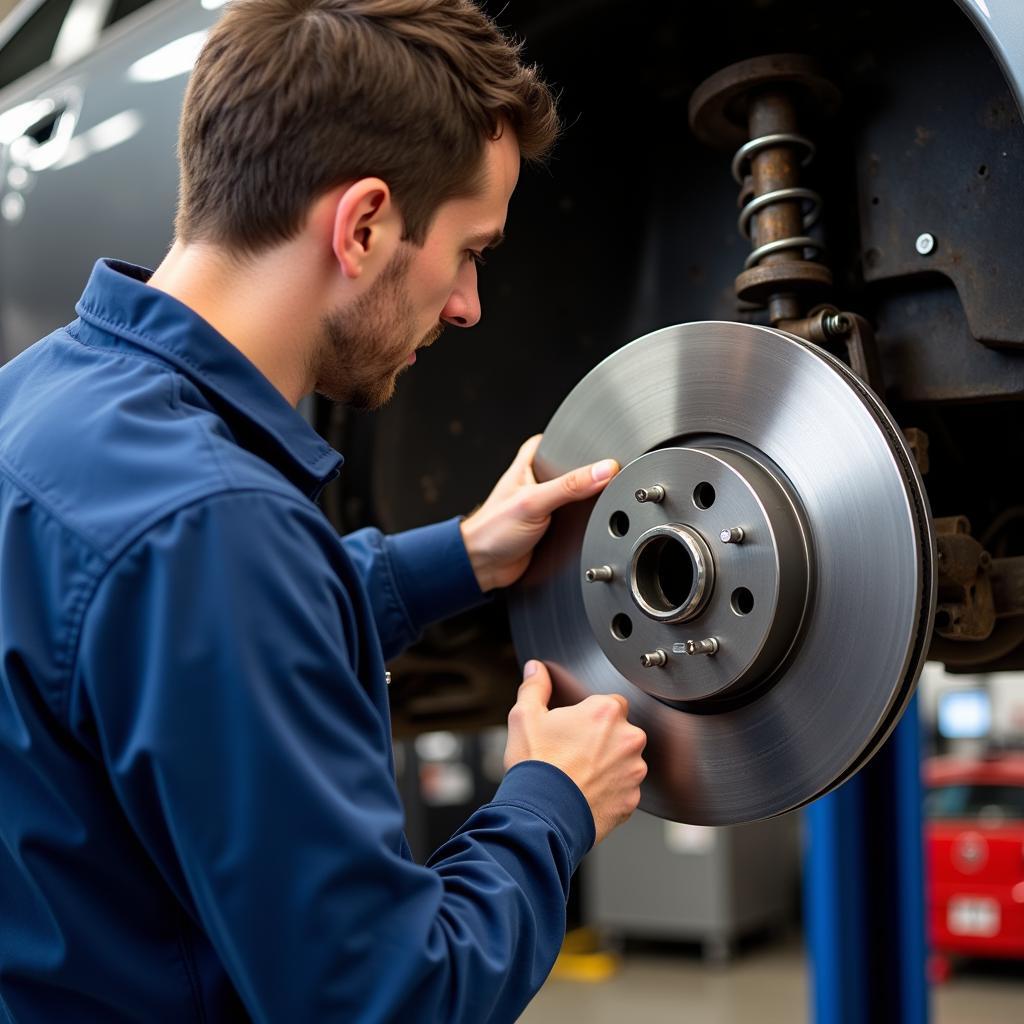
point(89, 201)
point(1001, 24)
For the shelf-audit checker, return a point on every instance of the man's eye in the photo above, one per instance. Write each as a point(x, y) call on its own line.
point(476, 257)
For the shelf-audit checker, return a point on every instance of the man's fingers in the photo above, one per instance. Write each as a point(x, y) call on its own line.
point(536, 685)
point(520, 471)
point(527, 450)
point(575, 485)
point(623, 703)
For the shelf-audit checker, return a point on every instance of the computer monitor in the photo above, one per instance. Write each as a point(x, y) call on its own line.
point(965, 714)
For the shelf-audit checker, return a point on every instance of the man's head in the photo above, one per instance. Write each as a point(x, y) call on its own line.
point(387, 131)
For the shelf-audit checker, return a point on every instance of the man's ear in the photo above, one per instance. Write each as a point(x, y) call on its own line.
point(367, 227)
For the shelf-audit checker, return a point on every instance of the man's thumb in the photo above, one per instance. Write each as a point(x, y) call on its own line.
point(536, 685)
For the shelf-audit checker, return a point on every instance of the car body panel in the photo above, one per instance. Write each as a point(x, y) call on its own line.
point(105, 182)
point(1001, 24)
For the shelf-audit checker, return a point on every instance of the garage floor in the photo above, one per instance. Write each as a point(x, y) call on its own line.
point(767, 984)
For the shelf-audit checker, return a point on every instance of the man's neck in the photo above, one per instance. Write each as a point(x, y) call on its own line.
point(256, 305)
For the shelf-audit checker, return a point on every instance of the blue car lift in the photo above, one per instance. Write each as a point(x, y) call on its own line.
point(864, 891)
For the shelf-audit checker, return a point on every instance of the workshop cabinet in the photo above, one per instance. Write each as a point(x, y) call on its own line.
point(657, 879)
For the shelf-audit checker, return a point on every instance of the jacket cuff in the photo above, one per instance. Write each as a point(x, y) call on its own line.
point(433, 572)
point(553, 796)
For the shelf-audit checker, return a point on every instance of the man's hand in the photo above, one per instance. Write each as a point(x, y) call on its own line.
point(501, 534)
point(592, 742)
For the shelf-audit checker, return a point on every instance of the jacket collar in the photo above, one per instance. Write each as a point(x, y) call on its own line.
point(117, 302)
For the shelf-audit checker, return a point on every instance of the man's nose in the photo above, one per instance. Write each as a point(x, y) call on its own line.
point(463, 307)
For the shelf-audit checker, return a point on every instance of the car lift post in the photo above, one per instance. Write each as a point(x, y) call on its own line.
point(864, 891)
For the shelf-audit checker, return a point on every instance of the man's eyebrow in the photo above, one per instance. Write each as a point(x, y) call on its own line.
point(487, 240)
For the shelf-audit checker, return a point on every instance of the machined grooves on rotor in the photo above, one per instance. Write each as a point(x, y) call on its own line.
point(927, 596)
point(922, 516)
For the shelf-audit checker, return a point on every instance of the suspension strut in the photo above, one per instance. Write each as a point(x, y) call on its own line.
point(759, 106)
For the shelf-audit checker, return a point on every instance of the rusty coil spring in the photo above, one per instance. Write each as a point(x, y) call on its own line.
point(810, 198)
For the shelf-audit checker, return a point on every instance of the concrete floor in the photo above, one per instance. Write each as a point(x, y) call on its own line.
point(768, 984)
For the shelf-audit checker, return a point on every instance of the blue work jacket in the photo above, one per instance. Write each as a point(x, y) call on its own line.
point(198, 812)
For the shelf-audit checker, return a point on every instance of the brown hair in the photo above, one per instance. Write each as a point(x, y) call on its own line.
point(290, 98)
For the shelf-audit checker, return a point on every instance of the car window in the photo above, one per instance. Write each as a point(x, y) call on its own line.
point(33, 43)
point(122, 8)
point(984, 803)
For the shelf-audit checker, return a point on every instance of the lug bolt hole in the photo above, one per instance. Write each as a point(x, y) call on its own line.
point(704, 495)
point(742, 601)
point(618, 525)
point(622, 627)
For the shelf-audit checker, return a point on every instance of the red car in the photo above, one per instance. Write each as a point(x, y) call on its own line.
point(974, 811)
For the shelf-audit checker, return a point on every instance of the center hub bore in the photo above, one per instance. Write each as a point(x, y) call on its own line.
point(671, 573)
point(694, 569)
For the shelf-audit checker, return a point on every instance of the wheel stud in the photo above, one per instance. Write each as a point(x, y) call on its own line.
point(655, 493)
point(655, 659)
point(709, 646)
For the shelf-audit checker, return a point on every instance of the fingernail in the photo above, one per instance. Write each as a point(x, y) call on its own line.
point(530, 669)
point(604, 469)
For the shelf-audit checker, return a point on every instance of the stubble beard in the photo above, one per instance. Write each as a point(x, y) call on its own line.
point(365, 346)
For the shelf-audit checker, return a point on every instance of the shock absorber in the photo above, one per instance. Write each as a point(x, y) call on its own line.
point(758, 105)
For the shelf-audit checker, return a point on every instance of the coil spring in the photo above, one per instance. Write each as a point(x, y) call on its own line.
point(808, 197)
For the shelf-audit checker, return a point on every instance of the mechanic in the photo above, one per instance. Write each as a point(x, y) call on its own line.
point(198, 808)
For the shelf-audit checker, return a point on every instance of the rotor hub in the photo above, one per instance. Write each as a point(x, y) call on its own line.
point(679, 577)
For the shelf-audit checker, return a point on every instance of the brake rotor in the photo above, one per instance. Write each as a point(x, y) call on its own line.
point(757, 580)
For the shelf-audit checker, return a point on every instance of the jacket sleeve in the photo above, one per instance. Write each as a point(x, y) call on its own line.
point(413, 578)
point(221, 670)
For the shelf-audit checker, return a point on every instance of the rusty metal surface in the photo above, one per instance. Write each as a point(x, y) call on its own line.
point(760, 283)
point(777, 167)
point(762, 104)
point(1007, 577)
point(948, 163)
point(719, 107)
point(966, 609)
point(862, 353)
point(999, 649)
point(811, 327)
point(825, 325)
point(928, 351)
